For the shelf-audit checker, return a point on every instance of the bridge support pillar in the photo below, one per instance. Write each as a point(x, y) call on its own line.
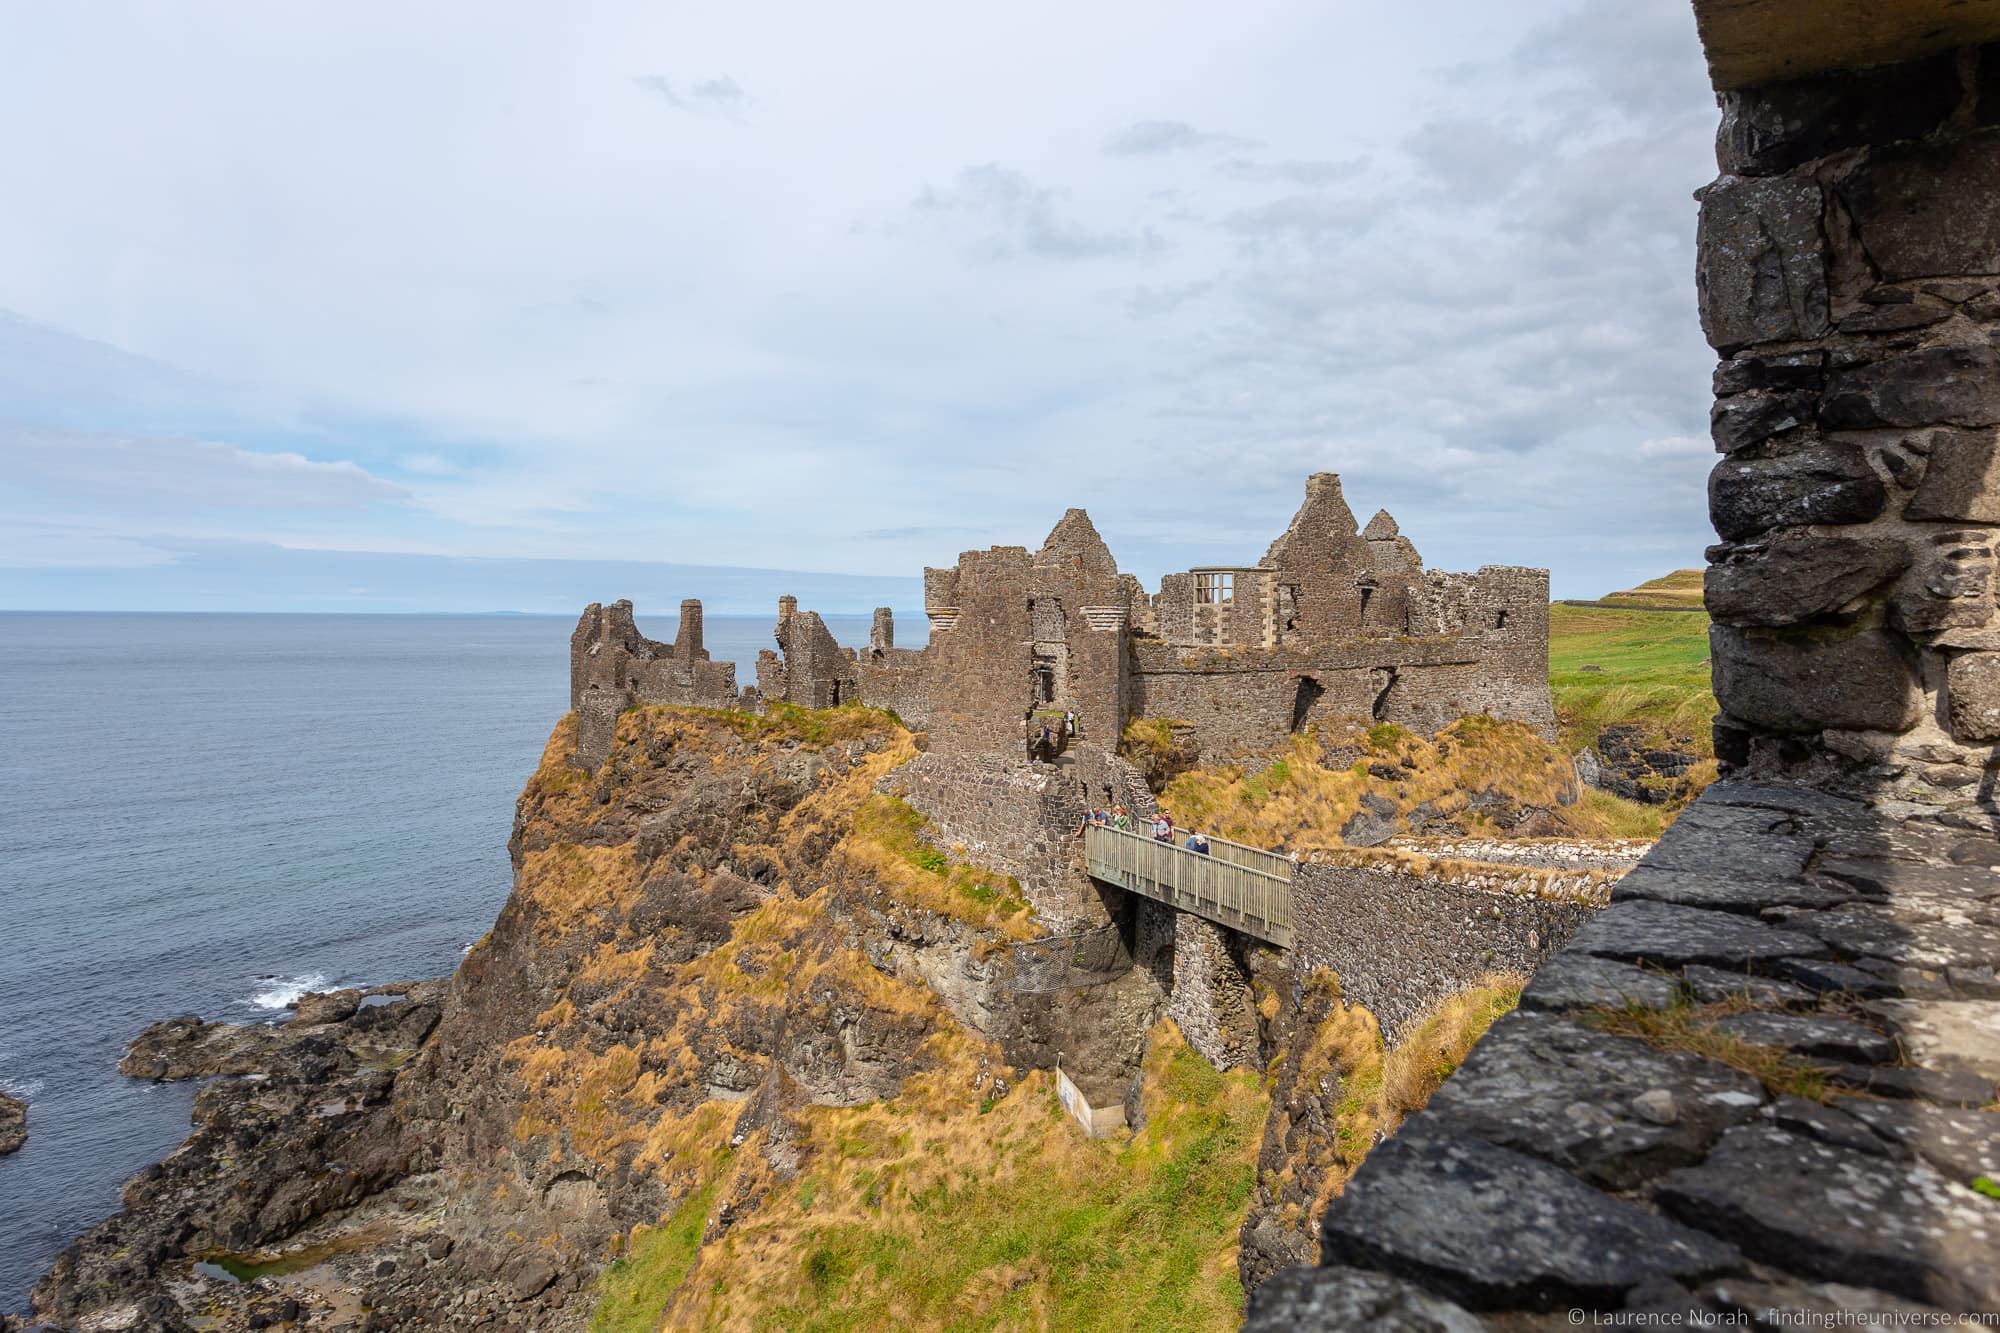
point(1212, 1000)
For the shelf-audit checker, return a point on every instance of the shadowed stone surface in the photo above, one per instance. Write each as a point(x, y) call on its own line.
point(1811, 1035)
point(1830, 1212)
point(1865, 681)
point(1670, 935)
point(1960, 1143)
point(1572, 1094)
point(1720, 890)
point(1572, 980)
point(1493, 1228)
point(1354, 1298)
point(1710, 984)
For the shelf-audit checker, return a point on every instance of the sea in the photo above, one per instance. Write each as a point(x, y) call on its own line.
point(213, 814)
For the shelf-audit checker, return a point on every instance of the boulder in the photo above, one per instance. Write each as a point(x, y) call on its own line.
point(1794, 576)
point(1584, 1099)
point(1778, 126)
point(1779, 372)
point(1673, 936)
point(1826, 483)
point(1865, 681)
point(1811, 1035)
point(1307, 1298)
point(1760, 265)
point(1573, 980)
point(1962, 481)
point(316, 1007)
point(1815, 1209)
point(1951, 587)
point(13, 1124)
point(1752, 418)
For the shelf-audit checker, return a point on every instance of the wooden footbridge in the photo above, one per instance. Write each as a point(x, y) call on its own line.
point(1243, 888)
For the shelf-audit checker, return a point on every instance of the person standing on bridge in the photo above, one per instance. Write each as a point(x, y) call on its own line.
point(1163, 827)
point(1197, 844)
point(1120, 820)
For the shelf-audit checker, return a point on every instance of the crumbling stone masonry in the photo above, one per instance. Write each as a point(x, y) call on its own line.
point(1843, 880)
point(612, 667)
point(1334, 622)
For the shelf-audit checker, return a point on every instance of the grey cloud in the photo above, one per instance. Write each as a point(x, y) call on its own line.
point(1001, 213)
point(721, 96)
point(1307, 173)
point(1148, 137)
point(1313, 220)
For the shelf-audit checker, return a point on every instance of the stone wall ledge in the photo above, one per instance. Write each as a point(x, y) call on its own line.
point(1593, 1152)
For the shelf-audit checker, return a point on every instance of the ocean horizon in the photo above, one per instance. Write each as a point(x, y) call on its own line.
point(216, 812)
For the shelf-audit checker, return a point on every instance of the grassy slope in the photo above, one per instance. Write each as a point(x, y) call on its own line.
point(939, 1210)
point(1678, 591)
point(1654, 671)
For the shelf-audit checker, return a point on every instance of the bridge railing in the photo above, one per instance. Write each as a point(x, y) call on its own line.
point(1256, 858)
point(1246, 898)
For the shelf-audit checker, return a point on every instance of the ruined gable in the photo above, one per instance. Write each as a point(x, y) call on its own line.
point(612, 667)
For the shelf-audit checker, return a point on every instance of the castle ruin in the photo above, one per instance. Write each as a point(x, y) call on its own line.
point(1334, 621)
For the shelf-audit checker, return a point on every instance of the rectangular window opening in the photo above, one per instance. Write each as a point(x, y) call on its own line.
point(1214, 589)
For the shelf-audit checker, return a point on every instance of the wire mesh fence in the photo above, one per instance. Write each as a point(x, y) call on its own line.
point(1068, 962)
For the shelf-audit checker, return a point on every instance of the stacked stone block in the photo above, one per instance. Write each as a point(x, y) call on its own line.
point(1849, 275)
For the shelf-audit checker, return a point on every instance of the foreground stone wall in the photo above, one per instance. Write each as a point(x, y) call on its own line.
point(1850, 278)
point(1843, 926)
point(1400, 944)
point(1565, 1166)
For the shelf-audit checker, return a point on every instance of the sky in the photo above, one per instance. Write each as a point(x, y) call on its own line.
point(456, 307)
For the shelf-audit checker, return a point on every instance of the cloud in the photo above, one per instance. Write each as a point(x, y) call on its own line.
point(1293, 172)
point(1678, 446)
point(1147, 138)
point(1002, 214)
point(1448, 258)
point(202, 472)
point(721, 96)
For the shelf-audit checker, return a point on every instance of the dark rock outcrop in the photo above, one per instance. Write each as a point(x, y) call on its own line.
point(13, 1124)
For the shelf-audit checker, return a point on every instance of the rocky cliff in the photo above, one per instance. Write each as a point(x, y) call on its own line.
point(746, 1043)
point(735, 1002)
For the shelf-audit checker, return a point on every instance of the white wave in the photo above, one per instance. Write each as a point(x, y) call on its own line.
point(27, 1089)
point(282, 992)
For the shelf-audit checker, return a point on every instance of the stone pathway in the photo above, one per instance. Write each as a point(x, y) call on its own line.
point(1567, 1166)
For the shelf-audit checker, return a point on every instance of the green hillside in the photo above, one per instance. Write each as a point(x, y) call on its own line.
point(1611, 665)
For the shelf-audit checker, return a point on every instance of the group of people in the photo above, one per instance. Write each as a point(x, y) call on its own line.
point(1162, 826)
point(1056, 733)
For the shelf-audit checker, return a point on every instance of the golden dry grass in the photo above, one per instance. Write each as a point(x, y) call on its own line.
point(1306, 795)
point(943, 1209)
point(1690, 1027)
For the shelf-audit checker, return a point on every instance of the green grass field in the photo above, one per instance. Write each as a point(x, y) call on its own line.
point(1653, 670)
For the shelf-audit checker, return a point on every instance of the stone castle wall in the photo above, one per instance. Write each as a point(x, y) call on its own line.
point(1023, 819)
point(1849, 275)
point(1400, 944)
point(612, 667)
